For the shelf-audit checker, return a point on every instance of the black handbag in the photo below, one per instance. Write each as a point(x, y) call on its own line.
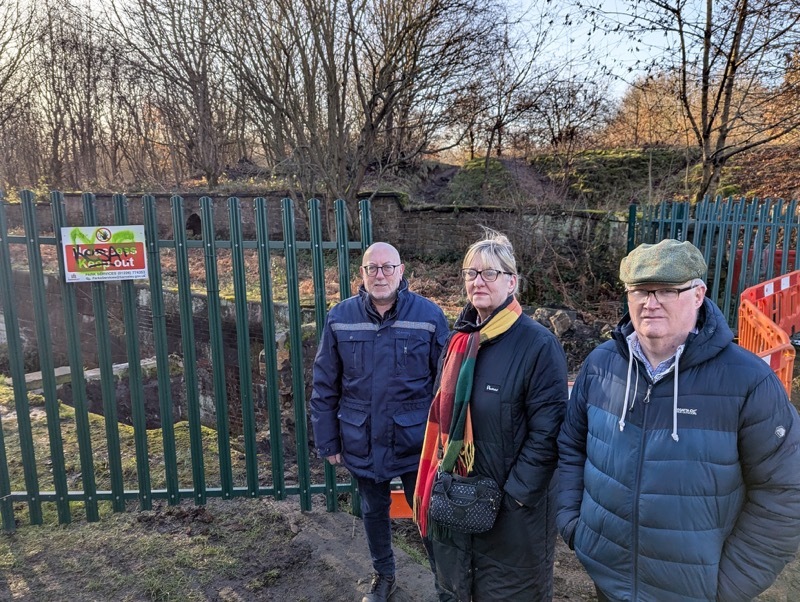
point(464, 504)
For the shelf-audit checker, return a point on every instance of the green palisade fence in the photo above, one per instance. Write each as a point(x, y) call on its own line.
point(743, 241)
point(195, 457)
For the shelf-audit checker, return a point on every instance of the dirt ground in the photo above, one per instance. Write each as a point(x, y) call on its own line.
point(233, 551)
point(273, 550)
point(227, 550)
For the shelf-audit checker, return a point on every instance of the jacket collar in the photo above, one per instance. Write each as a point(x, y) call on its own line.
point(402, 293)
point(467, 320)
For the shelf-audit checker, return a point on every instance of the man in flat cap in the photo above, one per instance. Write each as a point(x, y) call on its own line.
point(679, 469)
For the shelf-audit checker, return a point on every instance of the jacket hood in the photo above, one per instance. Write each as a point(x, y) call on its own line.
point(712, 336)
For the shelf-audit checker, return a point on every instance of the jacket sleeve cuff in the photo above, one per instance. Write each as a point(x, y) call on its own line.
point(568, 533)
point(324, 452)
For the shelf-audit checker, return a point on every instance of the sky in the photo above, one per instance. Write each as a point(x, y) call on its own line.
point(574, 37)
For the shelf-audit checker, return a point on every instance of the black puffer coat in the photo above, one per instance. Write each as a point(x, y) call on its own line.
point(518, 400)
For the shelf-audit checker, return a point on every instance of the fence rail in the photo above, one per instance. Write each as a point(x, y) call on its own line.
point(259, 469)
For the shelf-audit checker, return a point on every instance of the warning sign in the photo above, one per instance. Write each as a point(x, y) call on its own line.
point(104, 253)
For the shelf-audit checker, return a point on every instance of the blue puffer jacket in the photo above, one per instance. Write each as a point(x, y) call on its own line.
point(373, 382)
point(685, 489)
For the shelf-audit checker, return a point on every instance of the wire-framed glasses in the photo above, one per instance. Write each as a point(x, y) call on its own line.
point(488, 275)
point(387, 269)
point(662, 295)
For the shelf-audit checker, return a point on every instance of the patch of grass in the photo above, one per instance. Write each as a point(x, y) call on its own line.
point(167, 588)
point(265, 580)
point(612, 178)
point(474, 185)
point(413, 549)
point(169, 553)
point(97, 435)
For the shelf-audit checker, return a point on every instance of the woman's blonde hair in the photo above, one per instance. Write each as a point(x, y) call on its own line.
point(494, 249)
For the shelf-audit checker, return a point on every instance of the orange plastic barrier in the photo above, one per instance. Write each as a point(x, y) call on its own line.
point(399, 507)
point(768, 314)
point(777, 260)
point(779, 300)
point(762, 336)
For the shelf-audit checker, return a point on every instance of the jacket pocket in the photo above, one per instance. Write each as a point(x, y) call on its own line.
point(356, 348)
point(354, 428)
point(409, 431)
point(412, 354)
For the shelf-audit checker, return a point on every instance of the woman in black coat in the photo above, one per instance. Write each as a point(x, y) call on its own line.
point(516, 407)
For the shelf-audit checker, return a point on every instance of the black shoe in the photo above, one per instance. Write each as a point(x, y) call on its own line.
point(381, 588)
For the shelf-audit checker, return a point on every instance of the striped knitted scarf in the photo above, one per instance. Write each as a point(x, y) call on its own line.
point(448, 434)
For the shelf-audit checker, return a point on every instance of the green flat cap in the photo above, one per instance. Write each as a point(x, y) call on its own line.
point(670, 262)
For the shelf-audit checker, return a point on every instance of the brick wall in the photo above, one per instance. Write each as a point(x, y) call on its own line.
point(448, 231)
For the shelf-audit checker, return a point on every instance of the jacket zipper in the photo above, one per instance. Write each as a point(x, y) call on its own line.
point(634, 576)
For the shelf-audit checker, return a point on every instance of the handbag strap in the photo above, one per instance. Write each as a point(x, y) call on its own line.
point(446, 479)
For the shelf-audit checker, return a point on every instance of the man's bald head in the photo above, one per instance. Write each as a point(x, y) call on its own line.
point(381, 273)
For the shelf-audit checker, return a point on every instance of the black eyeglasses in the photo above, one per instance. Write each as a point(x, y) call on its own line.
point(388, 269)
point(662, 295)
point(488, 275)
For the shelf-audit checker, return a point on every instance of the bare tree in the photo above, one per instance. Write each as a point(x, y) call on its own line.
point(20, 149)
point(733, 63)
point(563, 118)
point(569, 111)
point(131, 147)
point(173, 42)
point(418, 59)
point(467, 112)
point(52, 71)
point(15, 42)
point(340, 88)
point(648, 113)
point(516, 78)
point(73, 126)
point(86, 61)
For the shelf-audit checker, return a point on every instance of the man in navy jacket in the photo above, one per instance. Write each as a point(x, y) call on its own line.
point(679, 456)
point(373, 385)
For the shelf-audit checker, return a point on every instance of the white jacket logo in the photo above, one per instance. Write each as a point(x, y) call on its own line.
point(690, 411)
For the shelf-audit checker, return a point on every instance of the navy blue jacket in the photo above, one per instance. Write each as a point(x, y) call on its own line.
point(373, 382)
point(689, 491)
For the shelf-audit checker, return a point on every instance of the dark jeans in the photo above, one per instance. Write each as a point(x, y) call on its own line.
point(376, 498)
point(601, 597)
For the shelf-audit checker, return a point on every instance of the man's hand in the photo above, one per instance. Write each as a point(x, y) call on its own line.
point(335, 459)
